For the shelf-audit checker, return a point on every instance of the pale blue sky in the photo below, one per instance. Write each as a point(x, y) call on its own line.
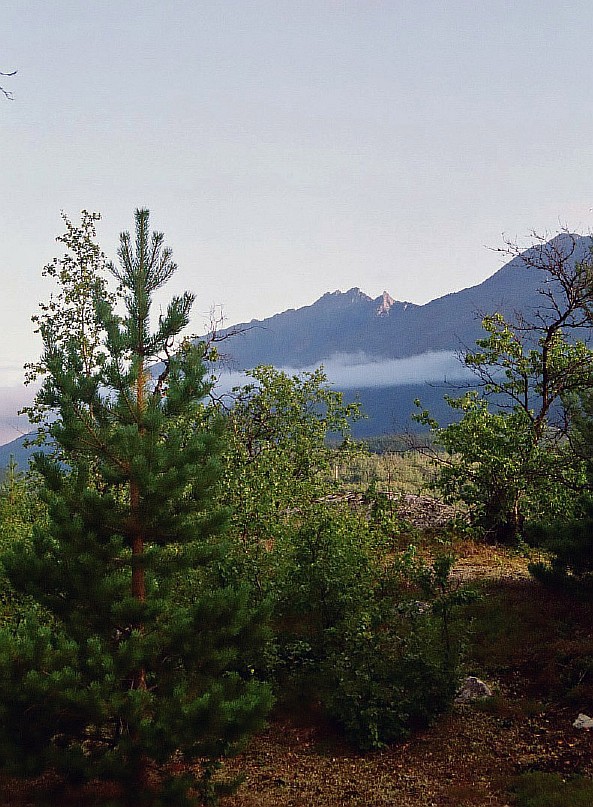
point(290, 148)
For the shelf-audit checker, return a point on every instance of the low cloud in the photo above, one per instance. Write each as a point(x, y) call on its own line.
point(358, 371)
point(352, 372)
point(345, 371)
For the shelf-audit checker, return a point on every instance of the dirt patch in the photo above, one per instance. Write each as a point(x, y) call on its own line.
point(481, 562)
point(465, 760)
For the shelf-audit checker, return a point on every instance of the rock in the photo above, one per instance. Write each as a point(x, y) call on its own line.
point(422, 512)
point(583, 722)
point(472, 689)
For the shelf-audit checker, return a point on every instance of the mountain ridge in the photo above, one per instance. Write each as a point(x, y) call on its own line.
point(352, 322)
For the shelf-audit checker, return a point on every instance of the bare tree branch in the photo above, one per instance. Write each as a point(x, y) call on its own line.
point(8, 93)
point(566, 295)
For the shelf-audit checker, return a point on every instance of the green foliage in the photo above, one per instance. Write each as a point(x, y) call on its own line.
point(394, 666)
point(121, 668)
point(533, 366)
point(277, 461)
point(351, 633)
point(538, 789)
point(569, 543)
point(280, 425)
point(500, 470)
point(69, 318)
point(381, 685)
point(328, 572)
point(20, 509)
point(510, 462)
point(580, 409)
point(568, 536)
point(19, 506)
point(330, 566)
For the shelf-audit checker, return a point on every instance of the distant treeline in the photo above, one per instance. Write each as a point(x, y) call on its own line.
point(397, 443)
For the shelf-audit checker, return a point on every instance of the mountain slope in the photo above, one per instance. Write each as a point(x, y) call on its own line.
point(336, 323)
point(19, 451)
point(389, 353)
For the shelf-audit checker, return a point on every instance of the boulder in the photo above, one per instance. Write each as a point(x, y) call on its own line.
point(583, 722)
point(472, 689)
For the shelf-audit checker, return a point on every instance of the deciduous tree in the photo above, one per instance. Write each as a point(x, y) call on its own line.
point(508, 456)
point(277, 460)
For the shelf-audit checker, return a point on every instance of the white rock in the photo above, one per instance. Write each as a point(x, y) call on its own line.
point(583, 722)
point(472, 689)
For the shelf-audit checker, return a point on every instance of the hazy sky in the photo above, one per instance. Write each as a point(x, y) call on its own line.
point(293, 147)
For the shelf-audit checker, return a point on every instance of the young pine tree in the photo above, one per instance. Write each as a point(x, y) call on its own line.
point(138, 658)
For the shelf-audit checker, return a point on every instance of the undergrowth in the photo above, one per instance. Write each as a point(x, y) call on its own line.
point(521, 628)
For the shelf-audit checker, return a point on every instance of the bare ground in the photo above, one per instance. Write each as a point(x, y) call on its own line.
point(465, 760)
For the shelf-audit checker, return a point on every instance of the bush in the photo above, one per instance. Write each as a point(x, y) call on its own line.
point(352, 634)
point(383, 683)
point(329, 568)
point(570, 546)
point(324, 572)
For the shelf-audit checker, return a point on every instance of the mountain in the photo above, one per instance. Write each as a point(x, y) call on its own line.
point(18, 450)
point(387, 352)
point(351, 322)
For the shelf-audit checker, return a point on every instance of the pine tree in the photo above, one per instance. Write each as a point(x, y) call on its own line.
point(139, 658)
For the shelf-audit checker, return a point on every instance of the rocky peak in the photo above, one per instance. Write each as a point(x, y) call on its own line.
point(385, 303)
point(341, 299)
point(355, 295)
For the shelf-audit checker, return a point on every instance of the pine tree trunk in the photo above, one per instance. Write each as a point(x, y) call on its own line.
point(138, 577)
point(137, 795)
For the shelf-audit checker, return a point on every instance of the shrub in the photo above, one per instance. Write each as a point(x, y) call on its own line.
point(352, 634)
point(570, 546)
point(383, 683)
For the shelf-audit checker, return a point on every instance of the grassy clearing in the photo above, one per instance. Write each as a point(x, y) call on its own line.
point(396, 471)
point(552, 790)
